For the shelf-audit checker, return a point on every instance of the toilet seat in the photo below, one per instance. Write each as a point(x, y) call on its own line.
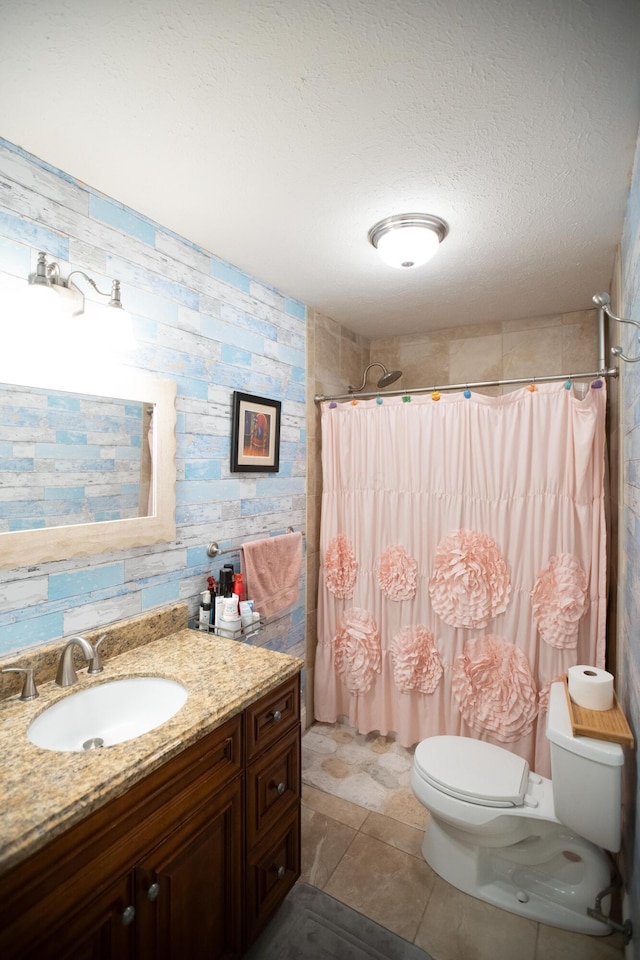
point(473, 771)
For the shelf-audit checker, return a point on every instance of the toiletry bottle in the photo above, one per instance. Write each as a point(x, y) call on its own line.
point(226, 582)
point(245, 608)
point(221, 583)
point(238, 586)
point(213, 590)
point(230, 608)
point(205, 612)
point(218, 610)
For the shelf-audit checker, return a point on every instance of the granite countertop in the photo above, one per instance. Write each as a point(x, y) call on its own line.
point(45, 792)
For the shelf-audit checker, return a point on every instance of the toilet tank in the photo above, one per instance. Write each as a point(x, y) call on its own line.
point(586, 776)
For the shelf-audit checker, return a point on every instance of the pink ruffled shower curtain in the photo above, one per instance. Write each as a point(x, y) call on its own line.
point(462, 562)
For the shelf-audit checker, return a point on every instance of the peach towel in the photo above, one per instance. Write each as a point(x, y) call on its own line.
point(272, 568)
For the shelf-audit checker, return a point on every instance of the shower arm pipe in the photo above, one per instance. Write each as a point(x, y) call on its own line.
point(610, 372)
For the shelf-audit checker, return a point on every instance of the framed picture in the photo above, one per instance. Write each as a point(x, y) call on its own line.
point(255, 434)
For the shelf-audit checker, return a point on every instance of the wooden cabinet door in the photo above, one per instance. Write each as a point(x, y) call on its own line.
point(102, 930)
point(188, 887)
point(99, 929)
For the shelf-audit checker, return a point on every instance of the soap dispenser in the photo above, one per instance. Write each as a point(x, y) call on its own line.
point(205, 612)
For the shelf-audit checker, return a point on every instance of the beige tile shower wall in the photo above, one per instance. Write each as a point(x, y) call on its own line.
point(536, 346)
point(336, 357)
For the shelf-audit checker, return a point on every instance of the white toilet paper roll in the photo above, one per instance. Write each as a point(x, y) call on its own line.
point(590, 687)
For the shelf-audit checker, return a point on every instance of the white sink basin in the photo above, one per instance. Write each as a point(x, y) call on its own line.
point(107, 713)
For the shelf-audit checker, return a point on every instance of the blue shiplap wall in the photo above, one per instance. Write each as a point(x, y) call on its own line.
point(629, 574)
point(212, 329)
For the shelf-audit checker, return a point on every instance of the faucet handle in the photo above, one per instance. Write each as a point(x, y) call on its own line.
point(96, 663)
point(29, 690)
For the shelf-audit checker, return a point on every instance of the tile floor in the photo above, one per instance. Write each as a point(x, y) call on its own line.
point(361, 836)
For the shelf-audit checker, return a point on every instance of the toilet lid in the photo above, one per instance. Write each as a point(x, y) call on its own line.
point(473, 770)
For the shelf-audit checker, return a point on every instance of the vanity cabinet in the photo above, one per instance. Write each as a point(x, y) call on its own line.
point(191, 861)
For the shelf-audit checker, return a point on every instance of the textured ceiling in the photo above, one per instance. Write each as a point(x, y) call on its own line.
point(274, 134)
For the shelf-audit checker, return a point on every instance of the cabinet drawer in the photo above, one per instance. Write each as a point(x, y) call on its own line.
point(272, 870)
point(273, 786)
point(273, 715)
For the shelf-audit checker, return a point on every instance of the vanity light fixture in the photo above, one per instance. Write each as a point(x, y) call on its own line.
point(408, 239)
point(62, 298)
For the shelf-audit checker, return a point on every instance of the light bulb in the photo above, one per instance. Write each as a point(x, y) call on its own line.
point(43, 304)
point(407, 247)
point(106, 329)
point(119, 330)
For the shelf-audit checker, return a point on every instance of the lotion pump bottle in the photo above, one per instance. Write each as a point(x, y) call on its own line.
point(205, 612)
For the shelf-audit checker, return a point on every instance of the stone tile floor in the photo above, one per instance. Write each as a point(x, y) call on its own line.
point(361, 837)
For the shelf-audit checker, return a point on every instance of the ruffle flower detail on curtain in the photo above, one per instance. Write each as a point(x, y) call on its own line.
point(397, 574)
point(357, 650)
point(416, 662)
point(496, 693)
point(559, 600)
point(340, 567)
point(470, 584)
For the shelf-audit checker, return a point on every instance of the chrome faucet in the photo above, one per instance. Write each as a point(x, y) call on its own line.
point(66, 675)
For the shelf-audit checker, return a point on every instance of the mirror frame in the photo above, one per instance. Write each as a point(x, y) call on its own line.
point(24, 548)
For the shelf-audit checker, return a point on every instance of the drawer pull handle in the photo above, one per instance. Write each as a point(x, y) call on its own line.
point(277, 715)
point(281, 787)
point(128, 916)
point(281, 872)
point(153, 891)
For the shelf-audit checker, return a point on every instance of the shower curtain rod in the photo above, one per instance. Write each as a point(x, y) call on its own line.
point(610, 372)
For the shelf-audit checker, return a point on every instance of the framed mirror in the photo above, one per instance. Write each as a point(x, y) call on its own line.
point(87, 463)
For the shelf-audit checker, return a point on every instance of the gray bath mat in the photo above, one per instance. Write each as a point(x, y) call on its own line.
point(311, 925)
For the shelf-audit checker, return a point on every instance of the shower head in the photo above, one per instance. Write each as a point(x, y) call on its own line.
point(388, 377)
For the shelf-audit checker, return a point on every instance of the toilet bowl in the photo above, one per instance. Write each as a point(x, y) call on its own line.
point(520, 841)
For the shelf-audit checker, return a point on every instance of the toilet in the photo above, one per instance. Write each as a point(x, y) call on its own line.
point(522, 842)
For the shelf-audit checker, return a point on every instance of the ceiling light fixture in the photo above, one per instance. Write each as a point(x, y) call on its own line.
point(408, 239)
point(59, 298)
